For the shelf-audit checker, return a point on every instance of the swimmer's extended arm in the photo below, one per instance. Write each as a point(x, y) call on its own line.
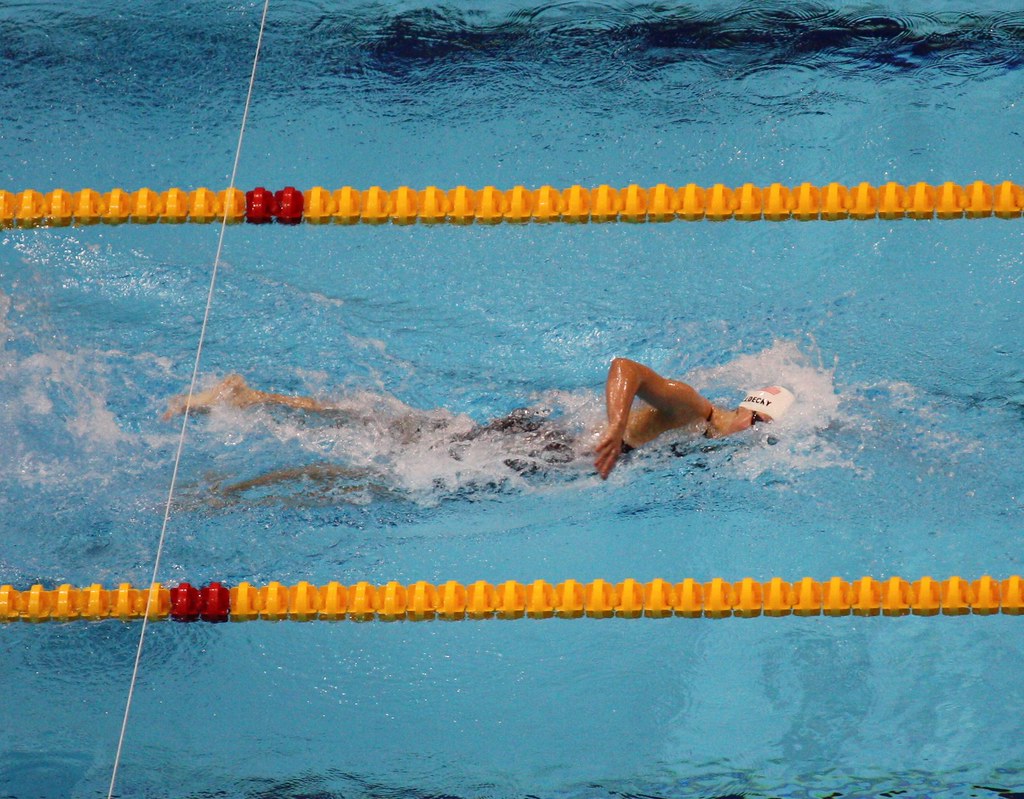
point(673, 404)
point(233, 390)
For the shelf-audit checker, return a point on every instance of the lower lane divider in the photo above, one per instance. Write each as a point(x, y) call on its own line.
point(489, 205)
point(571, 599)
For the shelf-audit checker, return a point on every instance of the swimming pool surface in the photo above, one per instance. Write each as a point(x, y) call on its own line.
point(902, 340)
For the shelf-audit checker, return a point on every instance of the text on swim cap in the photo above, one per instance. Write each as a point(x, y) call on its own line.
point(758, 400)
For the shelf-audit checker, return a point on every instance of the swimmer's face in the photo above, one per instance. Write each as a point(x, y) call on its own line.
point(756, 417)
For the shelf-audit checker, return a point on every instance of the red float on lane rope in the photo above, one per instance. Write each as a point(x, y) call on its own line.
point(214, 603)
point(290, 203)
point(260, 206)
point(184, 603)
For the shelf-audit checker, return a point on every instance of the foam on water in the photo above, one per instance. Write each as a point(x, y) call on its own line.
point(56, 411)
point(425, 455)
point(797, 442)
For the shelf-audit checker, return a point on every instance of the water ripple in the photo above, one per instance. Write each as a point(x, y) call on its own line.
point(371, 36)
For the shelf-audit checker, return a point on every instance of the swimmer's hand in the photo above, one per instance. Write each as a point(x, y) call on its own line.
point(608, 450)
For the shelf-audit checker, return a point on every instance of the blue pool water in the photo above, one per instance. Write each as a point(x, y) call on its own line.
point(902, 339)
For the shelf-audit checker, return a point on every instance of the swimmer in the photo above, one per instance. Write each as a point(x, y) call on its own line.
point(665, 405)
point(671, 405)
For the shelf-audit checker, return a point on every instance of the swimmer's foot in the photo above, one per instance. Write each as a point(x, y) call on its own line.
point(232, 390)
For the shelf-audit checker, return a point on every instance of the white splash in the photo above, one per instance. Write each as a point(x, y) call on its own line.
point(794, 443)
point(423, 454)
point(54, 409)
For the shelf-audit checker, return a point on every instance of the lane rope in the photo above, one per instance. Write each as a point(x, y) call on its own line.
point(185, 415)
point(462, 205)
point(451, 600)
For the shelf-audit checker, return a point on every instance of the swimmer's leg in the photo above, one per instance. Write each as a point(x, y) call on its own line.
point(317, 472)
point(233, 390)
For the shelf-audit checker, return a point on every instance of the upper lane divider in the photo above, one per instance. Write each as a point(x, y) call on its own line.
point(464, 206)
point(423, 601)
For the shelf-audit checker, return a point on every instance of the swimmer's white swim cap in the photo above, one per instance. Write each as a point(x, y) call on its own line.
point(772, 401)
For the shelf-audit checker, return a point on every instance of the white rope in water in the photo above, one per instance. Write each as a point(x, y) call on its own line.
point(188, 403)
